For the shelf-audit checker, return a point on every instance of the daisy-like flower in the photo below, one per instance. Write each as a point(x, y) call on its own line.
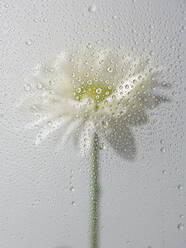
point(85, 92)
point(82, 91)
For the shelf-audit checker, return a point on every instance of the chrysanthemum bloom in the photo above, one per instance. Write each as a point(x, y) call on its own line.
point(84, 90)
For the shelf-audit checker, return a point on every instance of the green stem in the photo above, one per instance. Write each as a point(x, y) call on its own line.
point(94, 194)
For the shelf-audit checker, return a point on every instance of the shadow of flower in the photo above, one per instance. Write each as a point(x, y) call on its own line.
point(120, 135)
point(122, 140)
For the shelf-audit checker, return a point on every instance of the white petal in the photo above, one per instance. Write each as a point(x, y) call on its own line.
point(35, 123)
point(68, 132)
point(85, 137)
point(47, 130)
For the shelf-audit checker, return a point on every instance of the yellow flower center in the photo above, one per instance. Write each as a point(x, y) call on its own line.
point(95, 91)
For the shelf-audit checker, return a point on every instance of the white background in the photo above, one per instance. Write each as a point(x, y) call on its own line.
point(142, 201)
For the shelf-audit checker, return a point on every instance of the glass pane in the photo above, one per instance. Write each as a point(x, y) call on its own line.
point(45, 189)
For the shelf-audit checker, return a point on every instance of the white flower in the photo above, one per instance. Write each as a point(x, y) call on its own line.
point(82, 91)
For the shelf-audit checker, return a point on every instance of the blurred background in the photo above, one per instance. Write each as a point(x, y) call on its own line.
point(44, 193)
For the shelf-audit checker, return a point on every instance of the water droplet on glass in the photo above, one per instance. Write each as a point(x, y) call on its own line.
point(107, 93)
point(86, 74)
point(28, 42)
point(36, 20)
point(164, 172)
point(89, 82)
point(101, 61)
point(89, 45)
point(49, 123)
point(98, 90)
point(90, 101)
point(151, 53)
point(92, 8)
point(73, 203)
point(181, 216)
point(128, 242)
point(33, 108)
point(39, 86)
point(162, 141)
point(109, 69)
point(27, 87)
point(180, 187)
point(78, 90)
point(51, 83)
point(51, 69)
point(105, 124)
point(180, 226)
point(72, 188)
point(162, 149)
point(101, 146)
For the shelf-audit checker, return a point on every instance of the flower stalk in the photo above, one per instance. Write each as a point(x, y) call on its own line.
point(94, 193)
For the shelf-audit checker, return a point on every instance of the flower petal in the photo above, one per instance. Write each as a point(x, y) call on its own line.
point(67, 132)
point(48, 129)
point(85, 137)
